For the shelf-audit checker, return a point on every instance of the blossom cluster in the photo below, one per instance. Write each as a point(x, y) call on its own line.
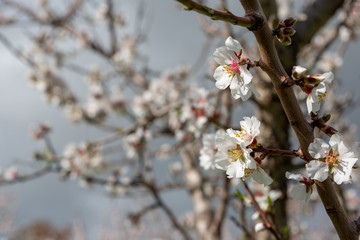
point(233, 70)
point(314, 85)
point(82, 159)
point(231, 151)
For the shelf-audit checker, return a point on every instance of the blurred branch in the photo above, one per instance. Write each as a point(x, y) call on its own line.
point(267, 223)
point(111, 27)
point(167, 211)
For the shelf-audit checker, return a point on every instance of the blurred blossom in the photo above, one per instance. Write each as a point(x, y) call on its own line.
point(101, 12)
point(10, 173)
point(208, 151)
point(330, 61)
point(74, 113)
point(188, 220)
point(82, 159)
point(175, 168)
point(132, 143)
point(39, 131)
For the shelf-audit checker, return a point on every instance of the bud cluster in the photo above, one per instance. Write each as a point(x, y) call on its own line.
point(284, 31)
point(320, 123)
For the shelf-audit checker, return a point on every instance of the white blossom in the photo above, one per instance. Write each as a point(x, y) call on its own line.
point(232, 157)
point(232, 70)
point(10, 174)
point(302, 191)
point(336, 159)
point(319, 92)
point(250, 129)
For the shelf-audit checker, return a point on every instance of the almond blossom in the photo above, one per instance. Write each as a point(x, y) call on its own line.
point(336, 159)
point(302, 191)
point(232, 70)
point(233, 154)
point(250, 129)
point(232, 157)
point(319, 92)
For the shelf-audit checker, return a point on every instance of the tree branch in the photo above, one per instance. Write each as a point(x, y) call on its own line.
point(217, 15)
point(270, 63)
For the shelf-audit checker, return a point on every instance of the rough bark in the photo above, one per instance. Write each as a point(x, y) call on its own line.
point(271, 64)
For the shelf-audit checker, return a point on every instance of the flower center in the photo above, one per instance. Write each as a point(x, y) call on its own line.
point(332, 159)
point(236, 154)
point(248, 172)
point(232, 68)
point(321, 97)
point(243, 135)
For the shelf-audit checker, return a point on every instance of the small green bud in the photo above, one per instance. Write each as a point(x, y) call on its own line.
point(326, 118)
point(285, 40)
point(288, 31)
point(290, 22)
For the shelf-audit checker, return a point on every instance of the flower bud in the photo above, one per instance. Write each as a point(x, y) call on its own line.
point(288, 31)
point(298, 72)
point(290, 22)
point(326, 118)
point(328, 130)
point(286, 41)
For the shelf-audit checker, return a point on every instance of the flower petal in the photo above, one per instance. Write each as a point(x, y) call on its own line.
point(317, 170)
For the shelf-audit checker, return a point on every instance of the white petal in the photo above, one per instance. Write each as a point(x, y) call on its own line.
point(245, 75)
point(317, 170)
point(235, 83)
point(221, 56)
point(222, 79)
point(335, 140)
point(260, 176)
point(329, 77)
point(235, 93)
point(235, 169)
point(319, 148)
point(222, 161)
point(341, 175)
point(309, 103)
point(233, 44)
point(299, 70)
point(293, 176)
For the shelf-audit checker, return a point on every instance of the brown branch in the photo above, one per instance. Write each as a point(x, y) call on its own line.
point(221, 208)
point(217, 15)
point(267, 223)
point(24, 178)
point(167, 210)
point(111, 27)
point(270, 63)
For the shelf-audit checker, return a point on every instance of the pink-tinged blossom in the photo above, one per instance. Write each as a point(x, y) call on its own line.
point(232, 157)
point(336, 159)
point(82, 159)
point(10, 174)
point(302, 191)
point(250, 129)
point(196, 110)
point(233, 71)
point(318, 93)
